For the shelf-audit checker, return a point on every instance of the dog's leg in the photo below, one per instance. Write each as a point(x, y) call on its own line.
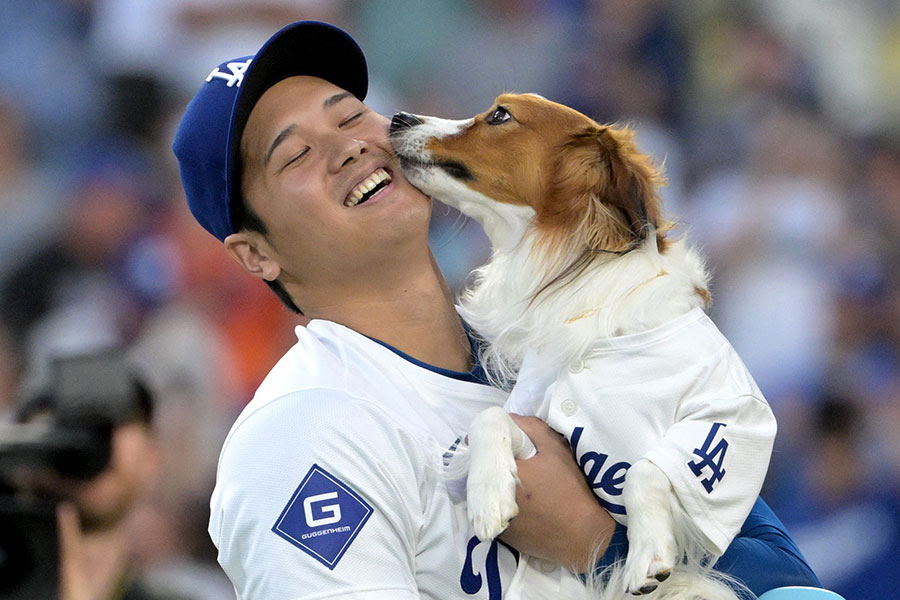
point(495, 441)
point(652, 550)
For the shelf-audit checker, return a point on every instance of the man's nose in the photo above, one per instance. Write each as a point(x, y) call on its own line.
point(349, 151)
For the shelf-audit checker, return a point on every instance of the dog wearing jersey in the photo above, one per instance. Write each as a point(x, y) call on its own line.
point(593, 314)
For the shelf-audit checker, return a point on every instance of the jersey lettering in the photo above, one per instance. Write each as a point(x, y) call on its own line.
point(711, 459)
point(610, 481)
point(451, 452)
point(471, 582)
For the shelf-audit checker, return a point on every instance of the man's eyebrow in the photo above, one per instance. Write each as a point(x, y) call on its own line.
point(278, 139)
point(332, 100)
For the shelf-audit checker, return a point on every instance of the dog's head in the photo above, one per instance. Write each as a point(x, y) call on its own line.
point(568, 180)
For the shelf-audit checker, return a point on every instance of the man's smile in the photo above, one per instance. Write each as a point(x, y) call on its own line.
point(370, 186)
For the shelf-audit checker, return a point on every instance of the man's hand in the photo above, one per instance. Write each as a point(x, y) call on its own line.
point(75, 583)
point(559, 518)
point(87, 570)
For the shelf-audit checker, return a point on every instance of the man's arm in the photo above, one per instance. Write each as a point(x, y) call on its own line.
point(559, 517)
point(318, 494)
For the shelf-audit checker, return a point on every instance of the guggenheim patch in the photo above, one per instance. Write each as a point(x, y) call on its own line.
point(323, 517)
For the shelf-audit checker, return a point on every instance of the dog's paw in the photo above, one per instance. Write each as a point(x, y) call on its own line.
point(649, 565)
point(652, 549)
point(491, 497)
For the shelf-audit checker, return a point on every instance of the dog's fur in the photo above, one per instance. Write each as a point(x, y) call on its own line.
point(580, 253)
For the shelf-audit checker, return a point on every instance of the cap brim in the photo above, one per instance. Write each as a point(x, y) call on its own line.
point(305, 48)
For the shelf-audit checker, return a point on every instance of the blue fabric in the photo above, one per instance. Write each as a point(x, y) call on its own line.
point(763, 556)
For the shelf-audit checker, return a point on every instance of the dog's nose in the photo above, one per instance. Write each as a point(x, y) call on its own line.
point(404, 120)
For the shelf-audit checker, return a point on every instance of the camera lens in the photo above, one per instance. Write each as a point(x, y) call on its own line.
point(28, 549)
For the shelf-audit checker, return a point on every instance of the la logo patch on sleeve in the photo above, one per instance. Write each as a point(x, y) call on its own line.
point(323, 517)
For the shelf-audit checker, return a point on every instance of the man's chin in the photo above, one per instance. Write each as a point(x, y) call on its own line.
point(98, 521)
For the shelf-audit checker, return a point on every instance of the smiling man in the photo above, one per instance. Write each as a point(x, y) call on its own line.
point(345, 238)
point(330, 482)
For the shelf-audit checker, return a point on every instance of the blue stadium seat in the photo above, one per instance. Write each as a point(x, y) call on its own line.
point(800, 593)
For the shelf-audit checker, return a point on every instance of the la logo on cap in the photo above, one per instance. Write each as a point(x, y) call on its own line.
point(235, 77)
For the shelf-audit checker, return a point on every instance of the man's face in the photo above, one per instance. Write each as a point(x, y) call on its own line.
point(309, 149)
point(106, 499)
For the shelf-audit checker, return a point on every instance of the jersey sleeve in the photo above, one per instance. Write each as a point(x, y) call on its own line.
point(717, 453)
point(320, 495)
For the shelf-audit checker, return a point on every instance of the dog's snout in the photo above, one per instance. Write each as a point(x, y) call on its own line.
point(404, 120)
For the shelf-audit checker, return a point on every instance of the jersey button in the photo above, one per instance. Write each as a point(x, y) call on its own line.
point(568, 407)
point(547, 566)
point(576, 366)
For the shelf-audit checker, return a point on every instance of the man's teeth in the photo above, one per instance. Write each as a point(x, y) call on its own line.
point(371, 182)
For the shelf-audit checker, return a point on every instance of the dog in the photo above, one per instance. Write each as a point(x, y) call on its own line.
point(593, 313)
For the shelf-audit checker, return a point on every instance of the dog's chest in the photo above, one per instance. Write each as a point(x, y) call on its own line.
point(600, 407)
point(626, 398)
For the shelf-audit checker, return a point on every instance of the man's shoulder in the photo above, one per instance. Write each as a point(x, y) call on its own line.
point(331, 377)
point(329, 356)
point(337, 382)
point(313, 361)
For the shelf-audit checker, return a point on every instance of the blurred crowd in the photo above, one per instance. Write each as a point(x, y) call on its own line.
point(778, 124)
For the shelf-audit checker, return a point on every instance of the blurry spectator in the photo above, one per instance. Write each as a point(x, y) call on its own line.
point(865, 354)
point(847, 47)
point(29, 198)
point(98, 394)
point(739, 70)
point(69, 293)
point(631, 63)
point(454, 58)
point(45, 67)
point(160, 44)
point(430, 28)
point(868, 356)
point(771, 230)
point(842, 514)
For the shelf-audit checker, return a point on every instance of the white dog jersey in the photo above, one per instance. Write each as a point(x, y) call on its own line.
point(329, 483)
point(677, 395)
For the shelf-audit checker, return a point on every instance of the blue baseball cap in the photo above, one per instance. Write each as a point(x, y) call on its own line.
point(207, 143)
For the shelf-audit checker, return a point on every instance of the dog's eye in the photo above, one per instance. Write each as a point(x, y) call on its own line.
point(500, 115)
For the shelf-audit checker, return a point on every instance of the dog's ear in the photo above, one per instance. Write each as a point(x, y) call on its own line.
point(632, 182)
point(610, 189)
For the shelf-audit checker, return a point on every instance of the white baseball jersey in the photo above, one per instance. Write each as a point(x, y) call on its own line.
point(677, 395)
point(330, 483)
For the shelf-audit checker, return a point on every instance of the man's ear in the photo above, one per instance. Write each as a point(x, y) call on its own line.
point(251, 251)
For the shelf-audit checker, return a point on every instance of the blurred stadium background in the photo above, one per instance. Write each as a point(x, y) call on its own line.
point(778, 123)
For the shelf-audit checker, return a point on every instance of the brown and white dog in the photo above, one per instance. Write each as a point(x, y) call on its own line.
point(580, 253)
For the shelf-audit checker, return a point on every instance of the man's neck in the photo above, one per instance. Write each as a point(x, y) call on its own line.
point(436, 338)
point(417, 318)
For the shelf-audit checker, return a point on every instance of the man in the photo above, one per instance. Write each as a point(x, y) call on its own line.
point(99, 476)
point(330, 483)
